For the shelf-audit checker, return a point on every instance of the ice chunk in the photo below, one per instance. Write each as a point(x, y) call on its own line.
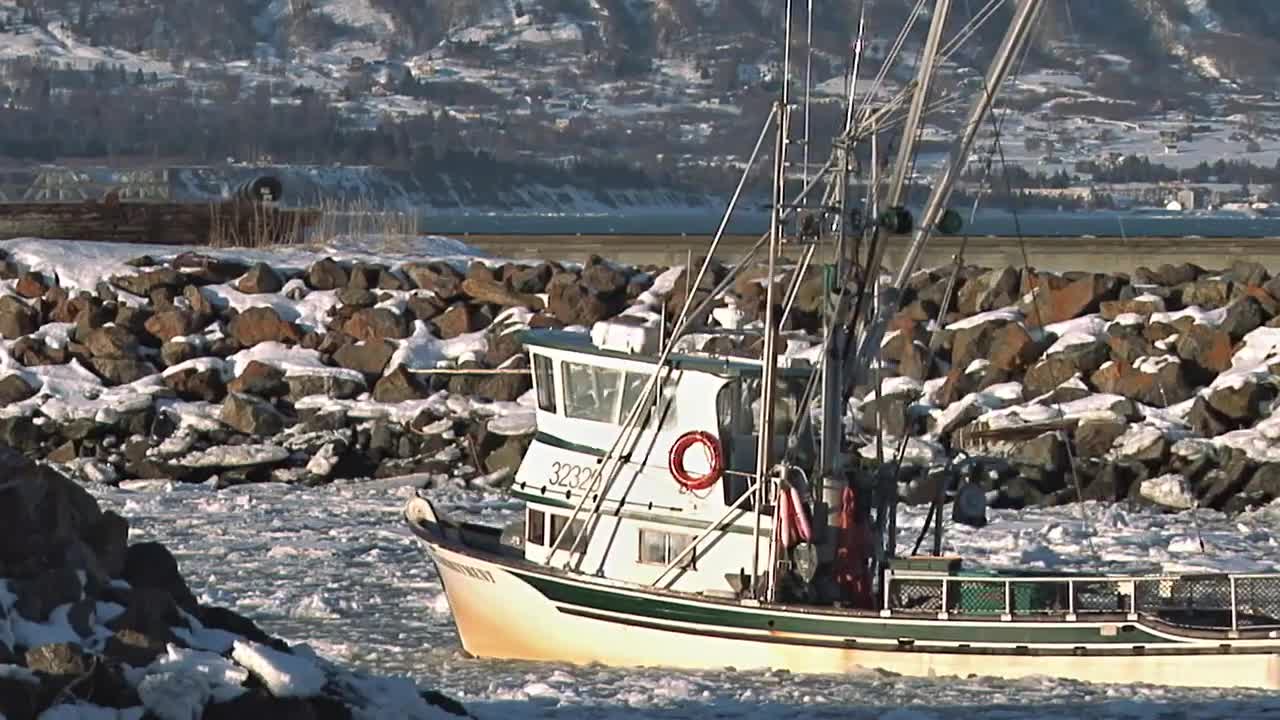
point(284, 675)
point(233, 456)
point(1169, 491)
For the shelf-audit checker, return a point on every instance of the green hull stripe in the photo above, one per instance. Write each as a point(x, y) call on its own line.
point(655, 608)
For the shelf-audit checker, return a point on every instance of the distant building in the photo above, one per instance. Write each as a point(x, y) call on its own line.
point(757, 73)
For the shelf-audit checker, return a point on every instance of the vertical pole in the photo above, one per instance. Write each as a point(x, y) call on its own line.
point(924, 80)
point(1235, 624)
point(1014, 40)
point(808, 84)
point(769, 353)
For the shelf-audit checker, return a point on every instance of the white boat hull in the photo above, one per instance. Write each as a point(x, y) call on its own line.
point(500, 615)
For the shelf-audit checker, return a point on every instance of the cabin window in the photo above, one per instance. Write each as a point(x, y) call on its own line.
point(535, 527)
point(633, 392)
point(658, 547)
point(591, 392)
point(570, 538)
point(544, 378)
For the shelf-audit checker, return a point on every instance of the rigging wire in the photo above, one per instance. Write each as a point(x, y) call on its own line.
point(1036, 297)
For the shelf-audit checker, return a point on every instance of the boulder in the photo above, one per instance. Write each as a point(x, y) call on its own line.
point(975, 342)
point(326, 274)
point(176, 352)
point(1243, 401)
point(207, 270)
point(377, 324)
point(507, 457)
point(1094, 437)
point(31, 285)
point(144, 282)
point(262, 324)
point(496, 293)
point(1205, 420)
point(1210, 292)
point(369, 358)
point(992, 290)
point(438, 277)
point(1248, 272)
point(1143, 306)
point(1206, 350)
point(251, 415)
point(1130, 348)
point(151, 565)
point(200, 304)
point(197, 385)
point(260, 379)
point(1046, 304)
point(1155, 381)
point(530, 279)
point(600, 277)
point(424, 306)
point(112, 342)
point(328, 385)
point(503, 387)
point(574, 304)
point(1012, 348)
point(17, 318)
point(357, 298)
point(41, 514)
point(14, 389)
point(459, 320)
point(1243, 316)
point(168, 324)
point(38, 596)
point(120, 371)
point(400, 385)
point(261, 278)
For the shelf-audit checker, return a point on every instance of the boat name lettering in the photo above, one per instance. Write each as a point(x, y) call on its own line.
point(467, 570)
point(574, 477)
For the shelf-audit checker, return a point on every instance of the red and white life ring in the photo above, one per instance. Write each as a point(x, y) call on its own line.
point(690, 480)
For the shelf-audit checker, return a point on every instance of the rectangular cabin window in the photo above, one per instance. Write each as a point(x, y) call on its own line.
point(633, 392)
point(536, 527)
point(658, 547)
point(571, 537)
point(591, 392)
point(544, 378)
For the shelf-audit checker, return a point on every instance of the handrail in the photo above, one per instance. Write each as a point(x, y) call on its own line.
point(924, 575)
point(1211, 601)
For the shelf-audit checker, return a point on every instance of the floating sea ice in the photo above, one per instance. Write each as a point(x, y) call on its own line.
point(85, 711)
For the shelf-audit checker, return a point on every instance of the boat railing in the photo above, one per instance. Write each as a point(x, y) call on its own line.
point(1201, 601)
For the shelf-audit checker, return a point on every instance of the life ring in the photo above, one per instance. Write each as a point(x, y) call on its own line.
point(690, 480)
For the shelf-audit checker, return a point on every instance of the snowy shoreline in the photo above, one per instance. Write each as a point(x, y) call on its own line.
point(307, 365)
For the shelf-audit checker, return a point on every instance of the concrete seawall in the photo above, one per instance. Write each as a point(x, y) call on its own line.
point(1102, 254)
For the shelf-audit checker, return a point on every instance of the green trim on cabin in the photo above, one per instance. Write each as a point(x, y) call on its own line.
point(726, 617)
point(556, 441)
point(581, 343)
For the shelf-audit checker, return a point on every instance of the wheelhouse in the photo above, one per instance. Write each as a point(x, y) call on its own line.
point(652, 527)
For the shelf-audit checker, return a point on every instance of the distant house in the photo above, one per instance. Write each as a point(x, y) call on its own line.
point(751, 74)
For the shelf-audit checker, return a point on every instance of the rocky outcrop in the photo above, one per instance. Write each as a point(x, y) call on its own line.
point(165, 654)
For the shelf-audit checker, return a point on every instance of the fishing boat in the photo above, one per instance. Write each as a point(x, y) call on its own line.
point(702, 510)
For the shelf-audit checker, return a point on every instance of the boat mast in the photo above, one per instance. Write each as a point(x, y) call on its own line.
point(769, 351)
point(1010, 48)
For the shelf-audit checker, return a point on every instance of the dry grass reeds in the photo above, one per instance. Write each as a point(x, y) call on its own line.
point(257, 225)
